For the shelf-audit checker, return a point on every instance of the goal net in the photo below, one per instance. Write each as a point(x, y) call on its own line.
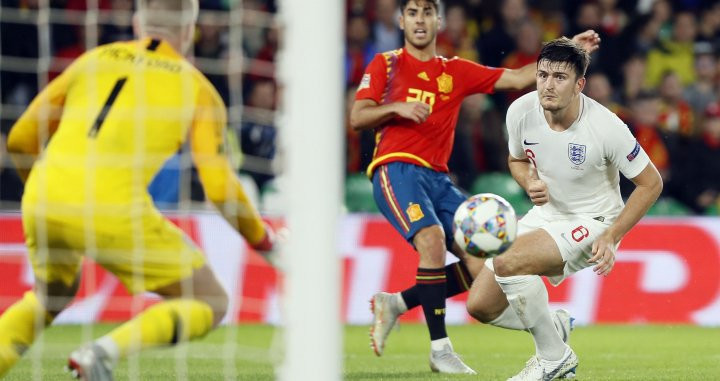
point(278, 71)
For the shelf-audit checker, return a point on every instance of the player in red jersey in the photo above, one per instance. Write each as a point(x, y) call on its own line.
point(411, 97)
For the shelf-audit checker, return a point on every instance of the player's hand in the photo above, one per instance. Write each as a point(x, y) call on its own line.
point(603, 250)
point(271, 247)
point(537, 190)
point(588, 39)
point(418, 112)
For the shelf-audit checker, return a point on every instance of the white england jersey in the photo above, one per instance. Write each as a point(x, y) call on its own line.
point(579, 165)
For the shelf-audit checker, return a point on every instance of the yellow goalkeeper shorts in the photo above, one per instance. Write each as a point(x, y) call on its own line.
point(143, 249)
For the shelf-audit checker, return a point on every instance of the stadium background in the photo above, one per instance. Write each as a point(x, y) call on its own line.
point(657, 68)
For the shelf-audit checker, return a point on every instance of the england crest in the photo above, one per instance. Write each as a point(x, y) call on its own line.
point(576, 153)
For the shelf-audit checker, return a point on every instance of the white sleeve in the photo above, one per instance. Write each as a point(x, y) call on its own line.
point(623, 150)
point(512, 122)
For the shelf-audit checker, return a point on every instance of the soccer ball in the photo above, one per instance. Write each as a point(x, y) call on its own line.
point(485, 225)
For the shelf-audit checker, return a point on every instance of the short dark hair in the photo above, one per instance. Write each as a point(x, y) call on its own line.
point(564, 50)
point(434, 3)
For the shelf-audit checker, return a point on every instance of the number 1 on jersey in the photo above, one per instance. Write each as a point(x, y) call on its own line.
point(106, 108)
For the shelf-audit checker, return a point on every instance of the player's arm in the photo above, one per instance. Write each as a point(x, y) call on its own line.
point(522, 166)
point(520, 170)
point(518, 79)
point(367, 114)
point(37, 124)
point(221, 184)
point(648, 185)
point(369, 111)
point(526, 176)
point(588, 40)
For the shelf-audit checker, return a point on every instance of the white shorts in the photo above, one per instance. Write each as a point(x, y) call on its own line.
point(573, 235)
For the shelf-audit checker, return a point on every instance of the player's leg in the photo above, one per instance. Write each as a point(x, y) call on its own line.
point(430, 279)
point(403, 196)
point(387, 307)
point(488, 304)
point(22, 322)
point(192, 307)
point(446, 199)
point(56, 281)
point(517, 272)
point(170, 265)
point(392, 185)
point(459, 279)
point(432, 287)
point(458, 275)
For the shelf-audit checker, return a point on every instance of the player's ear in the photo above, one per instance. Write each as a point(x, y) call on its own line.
point(137, 29)
point(188, 38)
point(581, 84)
point(401, 21)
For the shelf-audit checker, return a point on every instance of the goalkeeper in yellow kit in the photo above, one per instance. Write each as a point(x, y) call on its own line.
point(110, 121)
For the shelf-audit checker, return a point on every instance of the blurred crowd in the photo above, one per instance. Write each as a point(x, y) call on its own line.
point(657, 69)
point(241, 68)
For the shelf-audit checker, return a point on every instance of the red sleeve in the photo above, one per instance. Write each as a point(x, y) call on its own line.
point(373, 81)
point(478, 78)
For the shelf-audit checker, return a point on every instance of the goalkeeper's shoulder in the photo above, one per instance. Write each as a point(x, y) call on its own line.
point(207, 92)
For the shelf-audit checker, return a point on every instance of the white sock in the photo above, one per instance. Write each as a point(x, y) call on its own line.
point(109, 346)
point(529, 298)
point(400, 303)
point(508, 319)
point(439, 344)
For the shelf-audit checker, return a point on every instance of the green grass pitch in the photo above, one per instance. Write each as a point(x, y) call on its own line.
point(605, 352)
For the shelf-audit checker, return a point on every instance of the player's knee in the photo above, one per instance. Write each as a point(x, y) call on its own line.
point(219, 304)
point(479, 311)
point(430, 243)
point(207, 288)
point(55, 296)
point(506, 266)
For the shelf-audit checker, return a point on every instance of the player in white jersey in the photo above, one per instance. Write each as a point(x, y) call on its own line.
point(566, 151)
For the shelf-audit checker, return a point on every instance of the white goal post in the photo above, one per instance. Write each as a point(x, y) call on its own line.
point(311, 77)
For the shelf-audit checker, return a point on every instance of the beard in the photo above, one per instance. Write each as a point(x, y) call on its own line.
point(556, 103)
point(551, 106)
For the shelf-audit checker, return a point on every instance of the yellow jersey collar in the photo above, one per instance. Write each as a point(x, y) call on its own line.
point(158, 45)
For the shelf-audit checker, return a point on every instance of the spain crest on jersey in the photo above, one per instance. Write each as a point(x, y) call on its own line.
point(445, 83)
point(576, 153)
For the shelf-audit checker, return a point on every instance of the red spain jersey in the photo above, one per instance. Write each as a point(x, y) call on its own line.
point(397, 76)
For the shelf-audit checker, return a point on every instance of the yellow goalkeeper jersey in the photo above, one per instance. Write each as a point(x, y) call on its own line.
point(114, 117)
point(110, 122)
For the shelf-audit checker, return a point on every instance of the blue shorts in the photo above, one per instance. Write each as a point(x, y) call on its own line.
point(413, 197)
